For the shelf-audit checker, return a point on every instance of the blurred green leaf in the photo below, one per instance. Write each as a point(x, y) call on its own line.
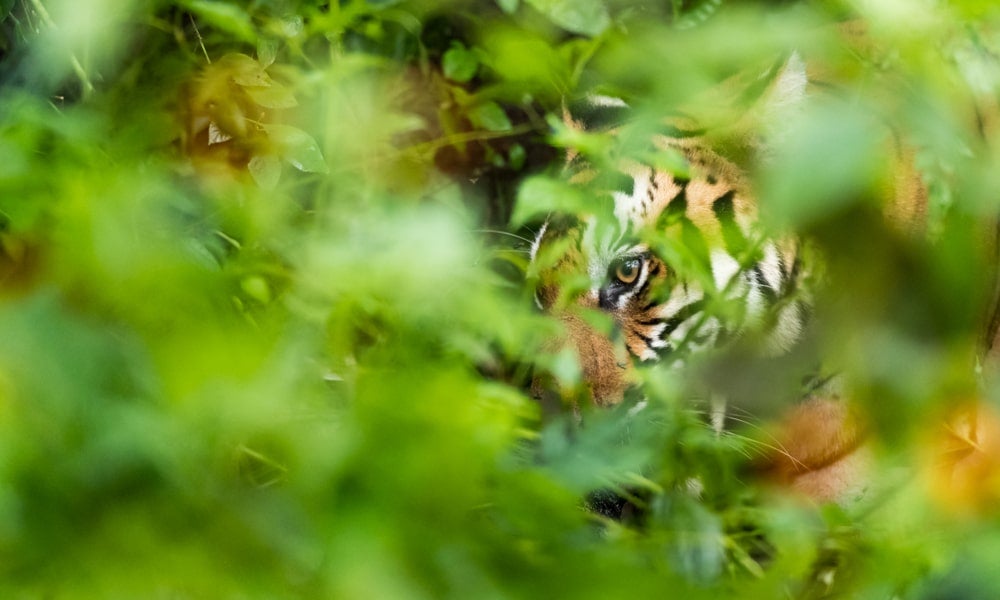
point(267, 51)
point(273, 96)
point(490, 116)
point(296, 147)
point(266, 170)
point(257, 288)
point(530, 63)
point(459, 63)
point(508, 6)
point(589, 17)
point(245, 70)
point(540, 195)
point(698, 546)
point(517, 157)
point(811, 182)
point(227, 17)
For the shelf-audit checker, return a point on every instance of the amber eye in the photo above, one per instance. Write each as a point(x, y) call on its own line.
point(627, 270)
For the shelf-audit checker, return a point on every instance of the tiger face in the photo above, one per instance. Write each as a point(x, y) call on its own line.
point(675, 261)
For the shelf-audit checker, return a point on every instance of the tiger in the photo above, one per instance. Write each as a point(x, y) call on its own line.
point(628, 255)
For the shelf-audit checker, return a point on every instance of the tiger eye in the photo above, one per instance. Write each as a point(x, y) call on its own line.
point(627, 270)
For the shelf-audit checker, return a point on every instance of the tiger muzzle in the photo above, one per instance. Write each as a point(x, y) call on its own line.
point(604, 363)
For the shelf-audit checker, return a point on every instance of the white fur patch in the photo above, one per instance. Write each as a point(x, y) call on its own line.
point(724, 267)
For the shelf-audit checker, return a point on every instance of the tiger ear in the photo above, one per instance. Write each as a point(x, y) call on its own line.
point(780, 106)
point(750, 114)
point(789, 89)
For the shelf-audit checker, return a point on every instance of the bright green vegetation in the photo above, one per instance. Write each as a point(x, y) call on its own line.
point(265, 334)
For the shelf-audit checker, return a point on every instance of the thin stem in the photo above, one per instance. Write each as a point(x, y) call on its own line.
point(466, 137)
point(201, 42)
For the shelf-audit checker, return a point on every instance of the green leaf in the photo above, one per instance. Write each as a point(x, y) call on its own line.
point(508, 6)
point(541, 195)
point(5, 7)
point(589, 17)
point(459, 63)
point(806, 182)
point(565, 366)
point(267, 51)
point(291, 26)
point(591, 144)
point(227, 17)
point(276, 96)
point(245, 71)
point(257, 288)
point(669, 160)
point(516, 157)
point(297, 147)
point(490, 116)
point(265, 170)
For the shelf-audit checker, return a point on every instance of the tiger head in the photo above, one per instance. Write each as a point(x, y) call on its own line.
point(673, 256)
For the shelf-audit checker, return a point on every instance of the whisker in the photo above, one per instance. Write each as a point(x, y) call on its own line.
point(777, 448)
point(756, 427)
point(507, 233)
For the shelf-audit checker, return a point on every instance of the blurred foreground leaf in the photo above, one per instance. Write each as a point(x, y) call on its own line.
point(589, 17)
point(297, 147)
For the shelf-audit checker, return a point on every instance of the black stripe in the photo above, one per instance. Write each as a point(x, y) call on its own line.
point(663, 351)
point(598, 117)
point(676, 207)
point(658, 351)
point(793, 277)
point(645, 339)
point(805, 312)
point(685, 313)
point(725, 211)
point(758, 276)
point(723, 207)
point(675, 132)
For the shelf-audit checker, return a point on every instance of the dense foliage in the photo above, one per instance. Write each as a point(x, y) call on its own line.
point(267, 332)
